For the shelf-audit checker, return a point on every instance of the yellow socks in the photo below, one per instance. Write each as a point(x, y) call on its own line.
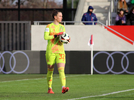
point(49, 77)
point(62, 76)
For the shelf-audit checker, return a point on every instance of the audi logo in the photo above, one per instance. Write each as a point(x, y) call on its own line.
point(110, 57)
point(12, 66)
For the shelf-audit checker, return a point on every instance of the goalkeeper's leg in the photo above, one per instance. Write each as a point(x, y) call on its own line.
point(50, 59)
point(61, 67)
point(50, 78)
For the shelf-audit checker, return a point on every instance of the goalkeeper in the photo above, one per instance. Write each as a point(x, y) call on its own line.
point(55, 51)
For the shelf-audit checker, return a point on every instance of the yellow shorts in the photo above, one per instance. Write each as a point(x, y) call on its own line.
point(52, 58)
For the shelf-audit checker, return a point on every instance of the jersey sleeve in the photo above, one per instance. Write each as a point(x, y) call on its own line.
point(47, 35)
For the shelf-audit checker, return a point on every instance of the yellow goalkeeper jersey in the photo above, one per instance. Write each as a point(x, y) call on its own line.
point(54, 45)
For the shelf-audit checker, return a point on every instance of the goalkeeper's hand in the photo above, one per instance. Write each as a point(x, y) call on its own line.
point(55, 36)
point(60, 33)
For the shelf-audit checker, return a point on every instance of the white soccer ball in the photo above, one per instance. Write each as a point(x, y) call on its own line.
point(64, 38)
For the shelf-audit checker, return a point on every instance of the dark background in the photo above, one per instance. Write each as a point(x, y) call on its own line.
point(36, 10)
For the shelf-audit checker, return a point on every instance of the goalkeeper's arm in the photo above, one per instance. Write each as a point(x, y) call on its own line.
point(47, 36)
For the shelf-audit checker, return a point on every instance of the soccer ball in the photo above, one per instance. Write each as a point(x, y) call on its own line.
point(64, 38)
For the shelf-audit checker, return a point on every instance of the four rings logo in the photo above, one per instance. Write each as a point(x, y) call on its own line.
point(12, 67)
point(110, 68)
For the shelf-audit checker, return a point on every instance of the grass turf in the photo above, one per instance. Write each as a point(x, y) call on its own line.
point(34, 87)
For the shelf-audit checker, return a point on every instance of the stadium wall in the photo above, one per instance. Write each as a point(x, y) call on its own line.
point(77, 62)
point(80, 34)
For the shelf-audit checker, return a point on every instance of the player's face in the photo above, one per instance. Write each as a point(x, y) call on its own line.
point(121, 12)
point(58, 18)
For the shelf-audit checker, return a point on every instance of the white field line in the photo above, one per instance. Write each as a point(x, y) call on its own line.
point(21, 80)
point(101, 94)
point(42, 78)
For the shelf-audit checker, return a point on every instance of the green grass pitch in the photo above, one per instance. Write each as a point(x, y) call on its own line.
point(82, 86)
